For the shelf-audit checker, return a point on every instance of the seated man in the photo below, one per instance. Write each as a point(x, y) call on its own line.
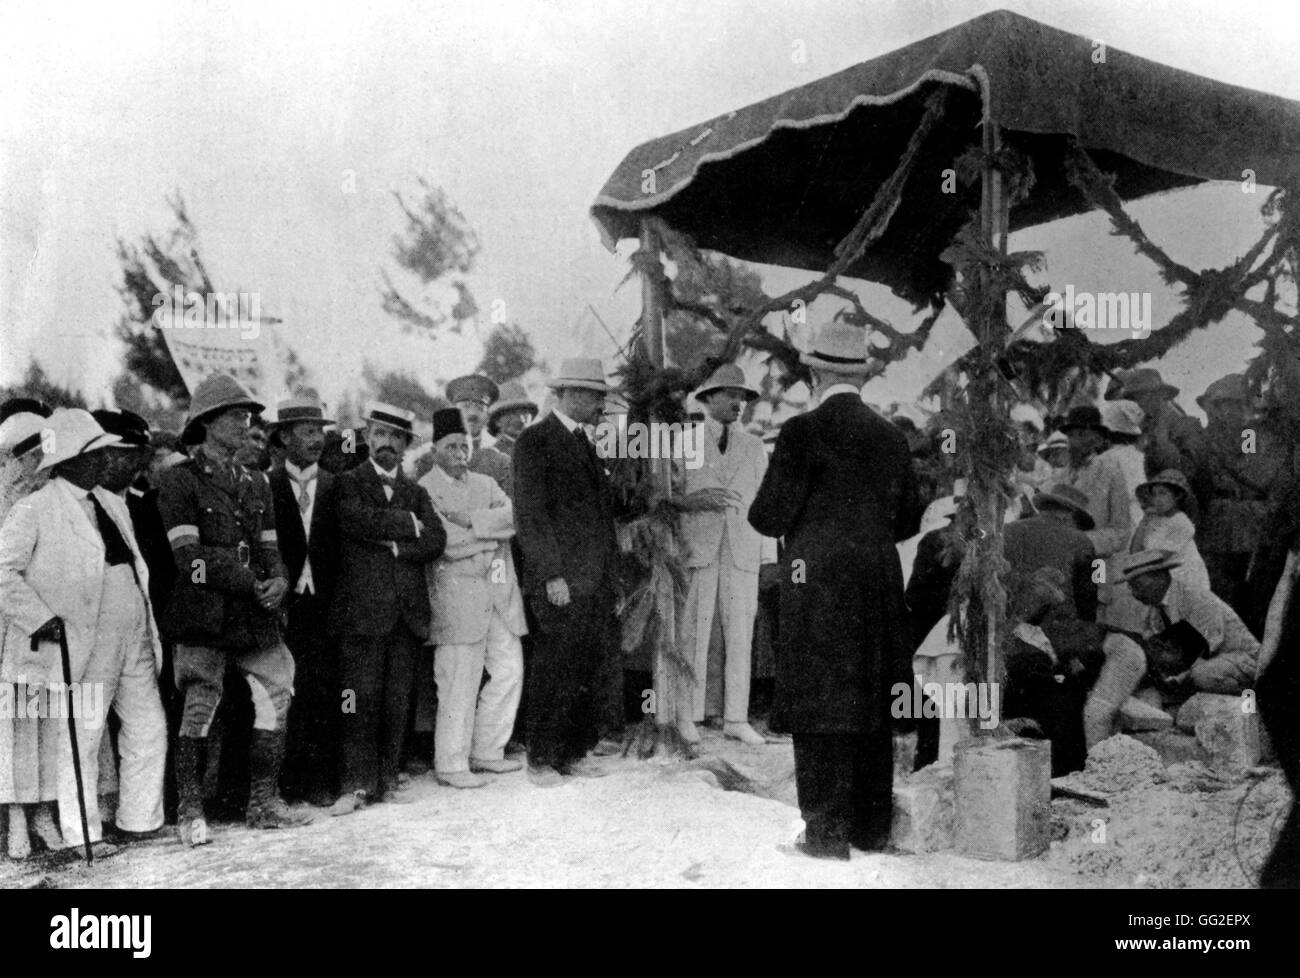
point(1227, 664)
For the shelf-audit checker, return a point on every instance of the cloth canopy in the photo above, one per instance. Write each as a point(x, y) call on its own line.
point(784, 180)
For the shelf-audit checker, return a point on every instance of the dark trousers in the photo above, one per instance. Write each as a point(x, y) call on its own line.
point(845, 784)
point(379, 671)
point(312, 750)
point(568, 686)
point(1278, 693)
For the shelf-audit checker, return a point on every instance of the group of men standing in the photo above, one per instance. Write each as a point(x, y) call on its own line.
point(357, 606)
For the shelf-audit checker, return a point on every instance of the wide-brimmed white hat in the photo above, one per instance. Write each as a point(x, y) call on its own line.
point(727, 377)
point(584, 372)
point(840, 346)
point(70, 432)
point(21, 433)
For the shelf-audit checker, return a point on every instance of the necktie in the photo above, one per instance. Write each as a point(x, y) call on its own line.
point(116, 549)
point(1163, 615)
point(304, 497)
point(722, 442)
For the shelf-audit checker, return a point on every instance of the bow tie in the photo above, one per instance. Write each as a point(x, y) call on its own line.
point(388, 480)
point(304, 480)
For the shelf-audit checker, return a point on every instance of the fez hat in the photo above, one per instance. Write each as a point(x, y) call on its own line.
point(448, 421)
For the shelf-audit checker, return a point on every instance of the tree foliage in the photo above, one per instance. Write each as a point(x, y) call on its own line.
point(436, 248)
point(37, 383)
point(508, 354)
point(401, 389)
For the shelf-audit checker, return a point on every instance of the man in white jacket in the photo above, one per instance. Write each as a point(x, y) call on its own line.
point(722, 553)
point(69, 562)
point(478, 614)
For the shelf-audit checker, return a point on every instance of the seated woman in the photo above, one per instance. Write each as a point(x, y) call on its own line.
point(1166, 525)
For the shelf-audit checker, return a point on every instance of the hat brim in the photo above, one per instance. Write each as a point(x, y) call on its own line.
point(1168, 390)
point(590, 385)
point(1054, 500)
point(855, 369)
point(95, 444)
point(1125, 576)
point(749, 392)
point(276, 425)
point(409, 433)
point(187, 433)
point(502, 407)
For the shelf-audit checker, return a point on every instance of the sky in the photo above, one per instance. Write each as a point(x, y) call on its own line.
point(286, 127)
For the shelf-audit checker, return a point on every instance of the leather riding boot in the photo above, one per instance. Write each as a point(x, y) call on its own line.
point(191, 825)
point(265, 809)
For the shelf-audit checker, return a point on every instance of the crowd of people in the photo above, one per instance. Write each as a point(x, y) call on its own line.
point(299, 607)
point(387, 607)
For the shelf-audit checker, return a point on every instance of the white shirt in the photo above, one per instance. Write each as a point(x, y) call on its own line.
point(840, 389)
point(300, 478)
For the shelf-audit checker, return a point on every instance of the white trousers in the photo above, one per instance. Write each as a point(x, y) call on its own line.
point(1119, 678)
point(720, 588)
point(474, 722)
point(121, 665)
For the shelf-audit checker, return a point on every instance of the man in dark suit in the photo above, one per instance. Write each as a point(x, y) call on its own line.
point(303, 496)
point(841, 491)
point(564, 514)
point(388, 533)
point(1057, 537)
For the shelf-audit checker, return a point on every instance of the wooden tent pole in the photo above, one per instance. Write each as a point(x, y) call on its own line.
point(652, 329)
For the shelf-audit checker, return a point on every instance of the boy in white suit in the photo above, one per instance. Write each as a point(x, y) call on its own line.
point(722, 553)
point(478, 614)
point(69, 562)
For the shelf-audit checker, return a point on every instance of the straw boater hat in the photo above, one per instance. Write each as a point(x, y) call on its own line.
point(1066, 497)
point(72, 433)
point(1057, 439)
point(215, 393)
point(1144, 380)
point(21, 433)
point(1122, 417)
point(1169, 477)
point(840, 346)
point(1146, 562)
point(727, 377)
point(305, 405)
point(513, 398)
point(1230, 388)
point(580, 372)
point(473, 387)
point(399, 419)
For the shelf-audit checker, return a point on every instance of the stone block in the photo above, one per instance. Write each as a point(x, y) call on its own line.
point(1201, 705)
point(1003, 797)
point(1138, 716)
point(1230, 740)
point(1173, 746)
point(923, 811)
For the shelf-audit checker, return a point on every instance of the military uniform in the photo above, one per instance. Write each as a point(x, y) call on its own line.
point(221, 526)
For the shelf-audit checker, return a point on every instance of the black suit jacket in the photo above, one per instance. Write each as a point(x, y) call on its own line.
point(841, 491)
point(151, 538)
point(294, 545)
point(564, 510)
point(374, 590)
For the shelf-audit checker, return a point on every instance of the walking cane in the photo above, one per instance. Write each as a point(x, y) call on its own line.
point(72, 736)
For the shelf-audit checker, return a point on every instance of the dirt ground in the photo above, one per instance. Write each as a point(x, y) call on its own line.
point(670, 823)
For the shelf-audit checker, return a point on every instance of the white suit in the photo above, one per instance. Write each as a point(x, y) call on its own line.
point(722, 559)
point(52, 565)
point(478, 617)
